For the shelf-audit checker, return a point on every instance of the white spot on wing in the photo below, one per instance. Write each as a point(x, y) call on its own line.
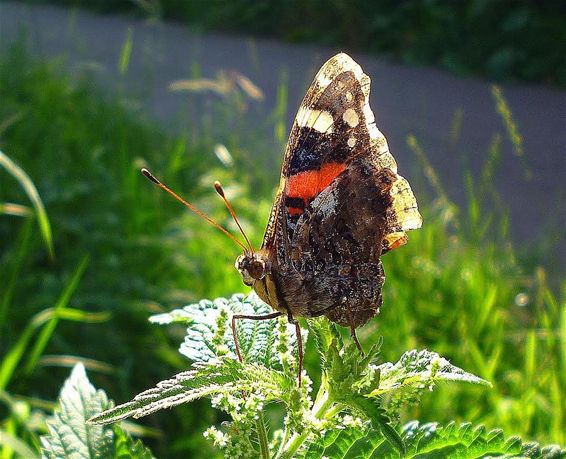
point(326, 203)
point(336, 65)
point(351, 117)
point(351, 142)
point(319, 120)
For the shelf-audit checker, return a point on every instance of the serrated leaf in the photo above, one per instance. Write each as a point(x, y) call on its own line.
point(126, 447)
point(372, 410)
point(343, 441)
point(420, 370)
point(325, 333)
point(316, 448)
point(464, 441)
point(69, 435)
point(427, 441)
point(205, 379)
point(257, 338)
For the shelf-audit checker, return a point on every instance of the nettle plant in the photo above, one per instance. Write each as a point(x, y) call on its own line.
point(354, 413)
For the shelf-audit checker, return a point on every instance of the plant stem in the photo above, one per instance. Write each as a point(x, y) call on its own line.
point(283, 443)
point(262, 436)
point(326, 407)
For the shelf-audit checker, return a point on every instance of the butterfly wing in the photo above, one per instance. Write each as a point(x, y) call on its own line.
point(333, 126)
point(336, 248)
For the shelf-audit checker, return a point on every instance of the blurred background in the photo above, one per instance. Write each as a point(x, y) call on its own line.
point(470, 96)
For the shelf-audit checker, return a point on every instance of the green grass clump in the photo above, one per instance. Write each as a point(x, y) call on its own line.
point(457, 288)
point(83, 153)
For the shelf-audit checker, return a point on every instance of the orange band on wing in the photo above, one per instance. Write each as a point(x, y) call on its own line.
point(309, 184)
point(394, 240)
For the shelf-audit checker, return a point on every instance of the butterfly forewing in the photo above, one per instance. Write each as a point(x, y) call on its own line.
point(334, 124)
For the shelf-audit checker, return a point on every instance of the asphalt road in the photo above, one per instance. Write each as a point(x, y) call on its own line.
point(406, 100)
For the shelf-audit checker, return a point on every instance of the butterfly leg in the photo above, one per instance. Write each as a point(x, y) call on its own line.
point(300, 351)
point(235, 317)
point(356, 340)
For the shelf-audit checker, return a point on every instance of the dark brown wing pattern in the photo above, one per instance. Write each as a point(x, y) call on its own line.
point(337, 244)
point(333, 126)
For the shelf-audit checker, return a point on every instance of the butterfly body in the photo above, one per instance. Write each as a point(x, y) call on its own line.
point(339, 207)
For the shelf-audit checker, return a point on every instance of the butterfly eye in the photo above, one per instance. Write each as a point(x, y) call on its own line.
point(257, 269)
point(250, 268)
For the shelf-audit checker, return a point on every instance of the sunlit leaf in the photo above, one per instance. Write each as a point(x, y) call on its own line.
point(205, 379)
point(418, 371)
point(69, 435)
point(426, 441)
point(257, 338)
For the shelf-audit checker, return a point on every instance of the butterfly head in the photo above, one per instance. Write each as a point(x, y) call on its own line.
point(253, 266)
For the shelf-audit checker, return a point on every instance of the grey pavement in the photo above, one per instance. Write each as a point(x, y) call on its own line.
point(406, 100)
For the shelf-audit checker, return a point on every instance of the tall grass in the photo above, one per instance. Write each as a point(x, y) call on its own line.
point(456, 288)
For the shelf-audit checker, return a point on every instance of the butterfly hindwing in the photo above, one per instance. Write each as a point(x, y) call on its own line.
point(337, 244)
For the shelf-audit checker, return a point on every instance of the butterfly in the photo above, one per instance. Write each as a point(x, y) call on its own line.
point(339, 207)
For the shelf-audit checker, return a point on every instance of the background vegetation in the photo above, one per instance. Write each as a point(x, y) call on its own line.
point(503, 40)
point(122, 251)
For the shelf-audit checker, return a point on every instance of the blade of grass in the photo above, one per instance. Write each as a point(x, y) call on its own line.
point(530, 358)
point(69, 361)
point(126, 52)
point(280, 113)
point(18, 173)
point(13, 357)
point(502, 107)
point(16, 210)
point(23, 246)
point(15, 445)
point(429, 171)
point(562, 332)
point(61, 304)
point(557, 419)
point(8, 122)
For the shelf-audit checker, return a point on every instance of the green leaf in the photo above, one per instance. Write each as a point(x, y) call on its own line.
point(372, 410)
point(257, 338)
point(426, 441)
point(416, 372)
point(205, 379)
point(126, 447)
point(325, 333)
point(467, 441)
point(69, 435)
point(343, 366)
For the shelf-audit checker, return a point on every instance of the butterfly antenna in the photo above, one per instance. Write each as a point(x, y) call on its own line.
point(200, 213)
point(220, 191)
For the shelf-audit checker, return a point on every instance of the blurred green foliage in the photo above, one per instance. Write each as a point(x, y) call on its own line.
point(457, 288)
point(501, 39)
